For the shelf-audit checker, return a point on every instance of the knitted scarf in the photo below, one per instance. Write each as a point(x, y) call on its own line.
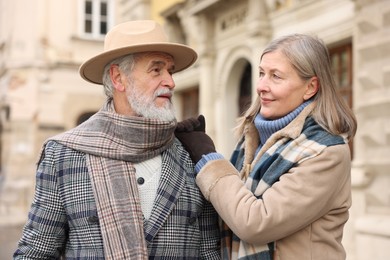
point(112, 143)
point(301, 140)
point(267, 127)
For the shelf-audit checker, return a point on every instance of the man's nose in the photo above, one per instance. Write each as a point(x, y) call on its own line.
point(168, 80)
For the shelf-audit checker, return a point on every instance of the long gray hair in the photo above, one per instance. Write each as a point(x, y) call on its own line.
point(310, 57)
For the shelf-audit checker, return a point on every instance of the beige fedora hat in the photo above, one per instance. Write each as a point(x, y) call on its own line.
point(133, 37)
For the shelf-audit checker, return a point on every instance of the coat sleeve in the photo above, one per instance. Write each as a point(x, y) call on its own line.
point(45, 231)
point(304, 194)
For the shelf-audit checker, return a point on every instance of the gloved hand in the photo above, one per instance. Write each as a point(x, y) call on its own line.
point(191, 133)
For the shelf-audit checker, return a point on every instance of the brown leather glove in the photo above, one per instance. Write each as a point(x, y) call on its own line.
point(191, 133)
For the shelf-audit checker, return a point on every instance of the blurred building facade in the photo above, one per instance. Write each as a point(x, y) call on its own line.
point(43, 42)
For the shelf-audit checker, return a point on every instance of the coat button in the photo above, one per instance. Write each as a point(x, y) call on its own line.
point(191, 221)
point(93, 219)
point(140, 180)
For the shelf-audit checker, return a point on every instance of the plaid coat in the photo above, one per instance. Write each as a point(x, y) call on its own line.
point(63, 218)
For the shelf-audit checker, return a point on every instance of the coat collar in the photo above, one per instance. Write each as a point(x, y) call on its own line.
point(171, 185)
point(252, 139)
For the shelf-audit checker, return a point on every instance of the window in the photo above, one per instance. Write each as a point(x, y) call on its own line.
point(341, 58)
point(96, 17)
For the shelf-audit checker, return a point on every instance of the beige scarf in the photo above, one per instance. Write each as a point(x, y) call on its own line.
point(112, 144)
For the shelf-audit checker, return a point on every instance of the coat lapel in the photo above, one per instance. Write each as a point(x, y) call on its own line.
point(171, 184)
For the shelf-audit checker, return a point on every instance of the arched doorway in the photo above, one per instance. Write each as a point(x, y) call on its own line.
point(237, 96)
point(245, 92)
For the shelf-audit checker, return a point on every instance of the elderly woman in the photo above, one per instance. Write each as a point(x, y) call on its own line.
point(286, 192)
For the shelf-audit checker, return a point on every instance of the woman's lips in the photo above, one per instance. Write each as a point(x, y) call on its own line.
point(265, 101)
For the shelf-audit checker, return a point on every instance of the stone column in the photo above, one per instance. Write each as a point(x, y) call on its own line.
point(206, 63)
point(370, 214)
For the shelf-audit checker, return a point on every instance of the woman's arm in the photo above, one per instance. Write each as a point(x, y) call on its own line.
point(302, 195)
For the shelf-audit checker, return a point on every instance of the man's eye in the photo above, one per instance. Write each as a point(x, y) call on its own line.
point(261, 74)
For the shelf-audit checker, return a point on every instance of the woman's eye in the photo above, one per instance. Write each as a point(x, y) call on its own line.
point(276, 76)
point(261, 74)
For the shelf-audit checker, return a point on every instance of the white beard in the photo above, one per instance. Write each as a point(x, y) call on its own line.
point(145, 106)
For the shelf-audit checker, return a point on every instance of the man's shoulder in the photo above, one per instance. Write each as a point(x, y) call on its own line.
point(55, 145)
point(56, 151)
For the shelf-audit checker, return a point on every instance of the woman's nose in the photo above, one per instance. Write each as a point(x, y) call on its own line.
point(262, 85)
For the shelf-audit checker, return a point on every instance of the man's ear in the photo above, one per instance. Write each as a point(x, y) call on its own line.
point(312, 88)
point(116, 78)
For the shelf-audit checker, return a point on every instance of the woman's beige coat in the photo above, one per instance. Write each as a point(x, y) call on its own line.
point(304, 212)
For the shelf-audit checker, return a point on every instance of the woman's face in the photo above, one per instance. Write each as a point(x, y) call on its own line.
point(279, 86)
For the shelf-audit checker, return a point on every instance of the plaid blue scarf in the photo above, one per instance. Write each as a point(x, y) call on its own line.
point(278, 155)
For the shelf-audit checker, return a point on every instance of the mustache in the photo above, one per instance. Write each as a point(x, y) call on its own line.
point(163, 91)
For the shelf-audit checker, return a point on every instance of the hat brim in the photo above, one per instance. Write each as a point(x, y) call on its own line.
point(92, 69)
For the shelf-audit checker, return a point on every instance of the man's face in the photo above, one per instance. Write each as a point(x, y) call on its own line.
point(149, 87)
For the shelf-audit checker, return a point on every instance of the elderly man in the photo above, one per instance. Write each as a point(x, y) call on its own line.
point(120, 185)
